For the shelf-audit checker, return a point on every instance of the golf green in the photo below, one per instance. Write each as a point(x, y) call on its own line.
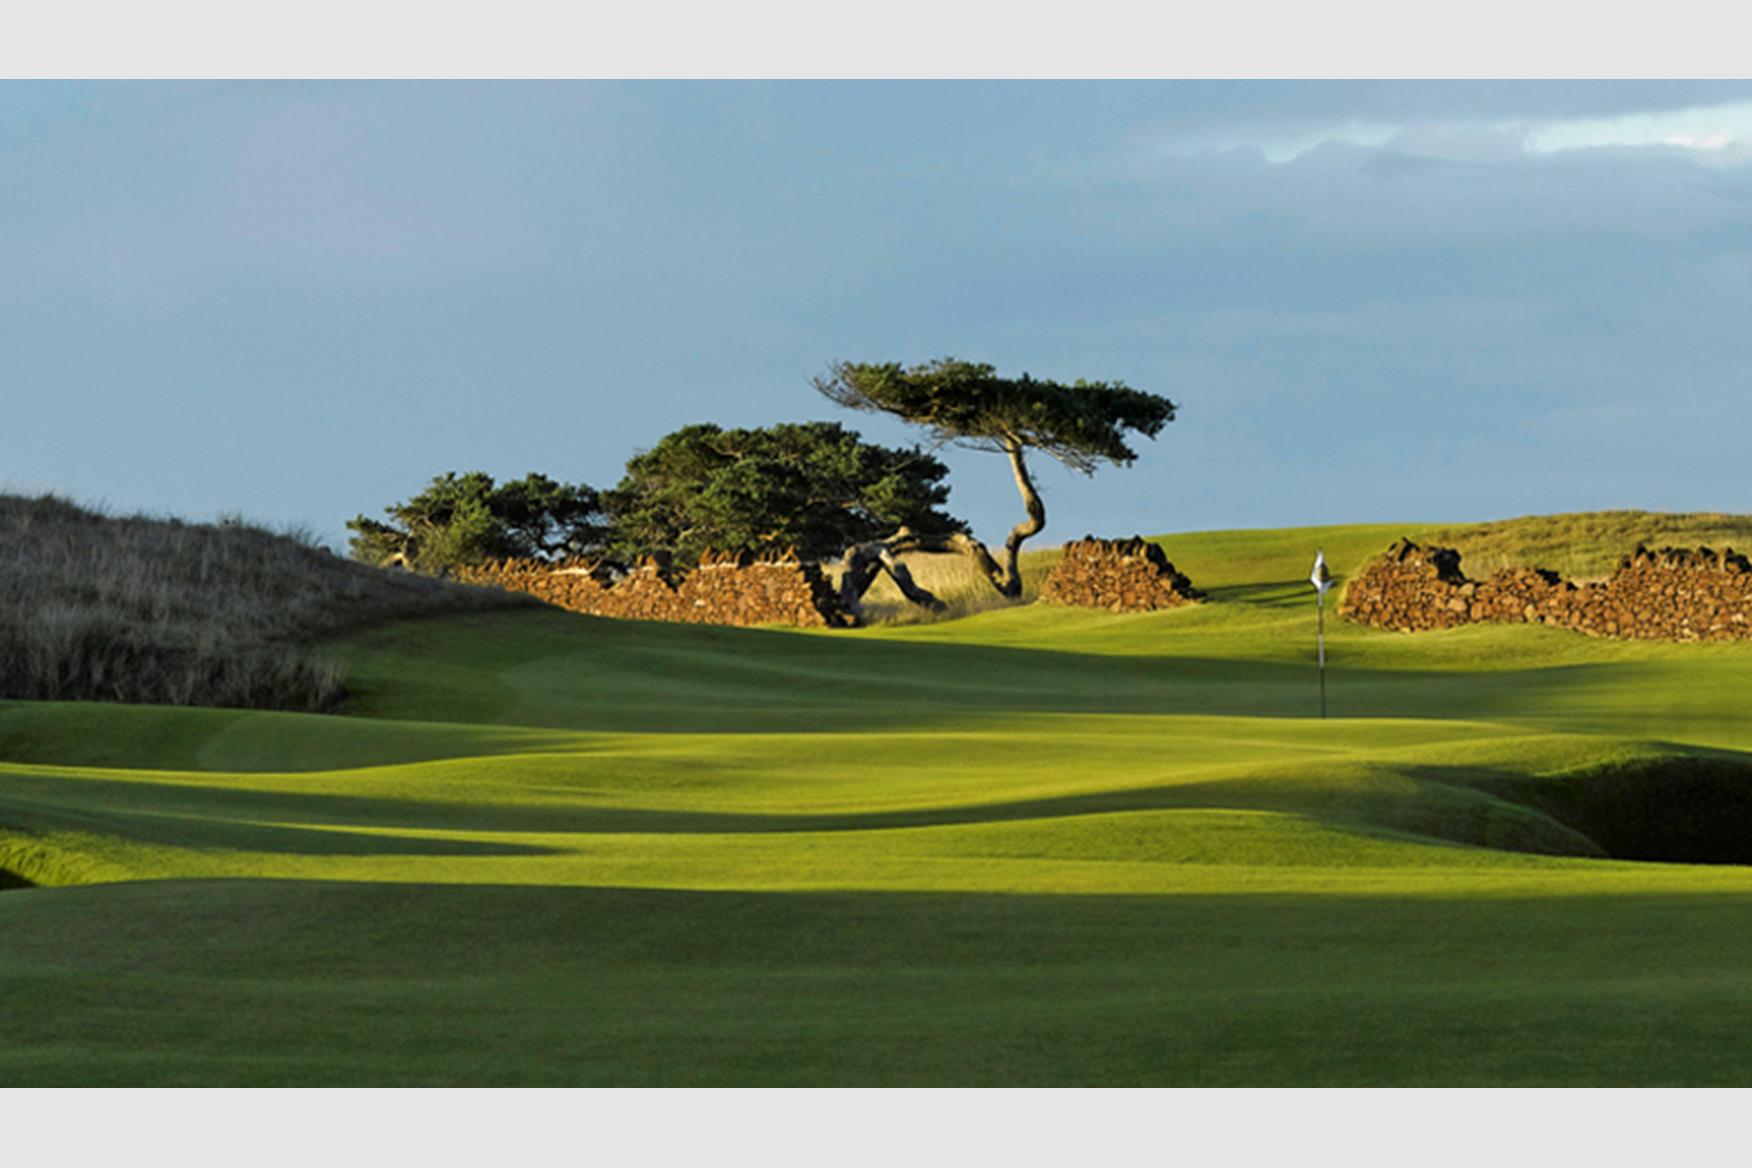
point(1032, 846)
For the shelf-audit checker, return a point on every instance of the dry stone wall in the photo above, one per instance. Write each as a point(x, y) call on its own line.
point(1673, 594)
point(723, 590)
point(1120, 575)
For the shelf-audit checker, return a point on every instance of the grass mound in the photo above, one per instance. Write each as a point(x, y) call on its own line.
point(134, 609)
point(1038, 845)
point(1677, 808)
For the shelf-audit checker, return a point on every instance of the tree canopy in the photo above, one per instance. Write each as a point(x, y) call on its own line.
point(1082, 425)
point(466, 518)
point(812, 487)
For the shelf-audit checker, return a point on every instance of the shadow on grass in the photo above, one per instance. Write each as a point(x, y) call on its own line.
point(1270, 593)
point(1681, 808)
point(1686, 809)
point(182, 924)
point(251, 981)
point(594, 674)
point(111, 810)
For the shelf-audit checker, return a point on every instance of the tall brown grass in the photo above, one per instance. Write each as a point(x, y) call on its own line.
point(953, 580)
point(135, 609)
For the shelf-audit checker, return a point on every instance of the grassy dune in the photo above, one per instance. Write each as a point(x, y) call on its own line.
point(96, 607)
point(1028, 846)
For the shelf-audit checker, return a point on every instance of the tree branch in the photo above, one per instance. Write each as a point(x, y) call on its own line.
point(863, 562)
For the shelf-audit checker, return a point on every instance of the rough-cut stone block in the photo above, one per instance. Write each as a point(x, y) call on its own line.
point(1673, 594)
point(1126, 575)
point(723, 590)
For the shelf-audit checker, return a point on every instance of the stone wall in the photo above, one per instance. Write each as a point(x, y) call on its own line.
point(723, 590)
point(1120, 575)
point(1674, 594)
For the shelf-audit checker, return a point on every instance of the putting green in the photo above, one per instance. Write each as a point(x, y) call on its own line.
point(1032, 846)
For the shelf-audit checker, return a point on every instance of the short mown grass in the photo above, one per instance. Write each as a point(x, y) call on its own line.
point(1034, 845)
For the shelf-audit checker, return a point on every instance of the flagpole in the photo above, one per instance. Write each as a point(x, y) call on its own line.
point(1322, 580)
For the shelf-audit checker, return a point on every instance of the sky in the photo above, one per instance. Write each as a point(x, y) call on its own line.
point(1414, 301)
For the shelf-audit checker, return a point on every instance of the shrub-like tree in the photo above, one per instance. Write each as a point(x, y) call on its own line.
point(812, 488)
point(1082, 425)
point(467, 518)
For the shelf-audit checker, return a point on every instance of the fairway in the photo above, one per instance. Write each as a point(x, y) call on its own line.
point(1035, 845)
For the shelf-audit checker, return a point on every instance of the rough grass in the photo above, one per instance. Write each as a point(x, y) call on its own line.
point(136, 609)
point(953, 580)
point(1585, 545)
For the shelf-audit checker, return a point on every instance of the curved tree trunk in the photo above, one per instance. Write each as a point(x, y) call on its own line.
point(865, 561)
point(1011, 586)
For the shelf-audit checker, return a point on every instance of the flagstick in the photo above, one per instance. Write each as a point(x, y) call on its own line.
point(1322, 580)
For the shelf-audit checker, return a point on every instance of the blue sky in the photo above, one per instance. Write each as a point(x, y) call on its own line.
point(1372, 301)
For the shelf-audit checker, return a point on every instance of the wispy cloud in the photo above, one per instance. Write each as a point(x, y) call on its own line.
point(1717, 134)
point(1725, 130)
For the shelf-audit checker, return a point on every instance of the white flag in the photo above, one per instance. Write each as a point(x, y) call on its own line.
point(1320, 577)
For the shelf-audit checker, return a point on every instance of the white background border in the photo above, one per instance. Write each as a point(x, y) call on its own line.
point(876, 1129)
point(895, 38)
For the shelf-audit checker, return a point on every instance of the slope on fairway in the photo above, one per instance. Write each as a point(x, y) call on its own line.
point(1034, 845)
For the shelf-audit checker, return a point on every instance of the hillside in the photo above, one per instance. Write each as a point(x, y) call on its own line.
point(1579, 546)
point(1032, 846)
point(1587, 544)
point(136, 609)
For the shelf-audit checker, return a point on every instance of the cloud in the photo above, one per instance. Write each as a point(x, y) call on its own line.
point(1279, 143)
point(1717, 134)
point(1721, 131)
